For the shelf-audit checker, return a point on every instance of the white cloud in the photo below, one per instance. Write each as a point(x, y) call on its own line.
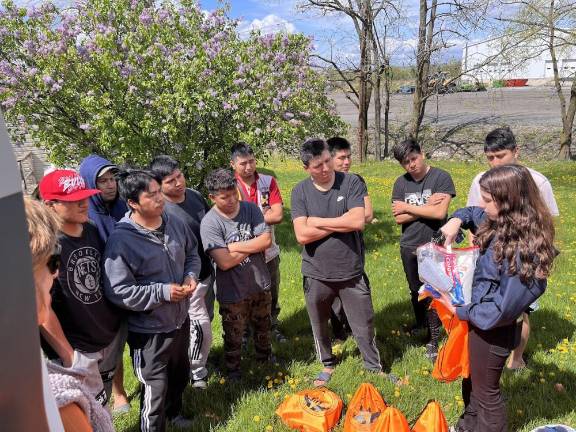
point(269, 24)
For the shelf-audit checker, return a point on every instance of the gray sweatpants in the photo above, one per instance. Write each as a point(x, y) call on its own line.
point(200, 330)
point(357, 302)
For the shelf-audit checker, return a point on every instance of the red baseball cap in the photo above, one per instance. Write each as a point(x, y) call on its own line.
point(64, 185)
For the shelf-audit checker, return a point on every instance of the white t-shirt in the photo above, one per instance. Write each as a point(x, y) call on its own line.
point(542, 182)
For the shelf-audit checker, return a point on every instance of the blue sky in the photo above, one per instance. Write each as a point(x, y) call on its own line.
point(333, 35)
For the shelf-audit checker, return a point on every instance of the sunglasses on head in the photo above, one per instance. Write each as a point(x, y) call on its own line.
point(54, 260)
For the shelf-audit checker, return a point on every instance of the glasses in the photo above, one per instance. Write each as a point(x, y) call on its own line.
point(53, 262)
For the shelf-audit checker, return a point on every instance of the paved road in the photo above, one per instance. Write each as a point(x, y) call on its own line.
point(523, 106)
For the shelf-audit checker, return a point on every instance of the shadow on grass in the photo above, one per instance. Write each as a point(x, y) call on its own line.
point(531, 394)
point(547, 329)
point(391, 338)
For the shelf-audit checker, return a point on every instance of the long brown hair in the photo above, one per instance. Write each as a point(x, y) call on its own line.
point(523, 232)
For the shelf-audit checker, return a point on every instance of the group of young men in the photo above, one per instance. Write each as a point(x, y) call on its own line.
point(143, 257)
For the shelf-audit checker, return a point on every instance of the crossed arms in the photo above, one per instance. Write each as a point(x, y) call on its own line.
point(232, 255)
point(311, 228)
point(435, 208)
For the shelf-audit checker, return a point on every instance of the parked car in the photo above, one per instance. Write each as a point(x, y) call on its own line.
point(407, 89)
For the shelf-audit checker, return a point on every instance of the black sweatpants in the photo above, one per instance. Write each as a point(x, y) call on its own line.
point(425, 317)
point(485, 410)
point(161, 365)
point(357, 302)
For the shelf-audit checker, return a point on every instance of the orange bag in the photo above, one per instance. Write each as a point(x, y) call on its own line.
point(392, 420)
point(364, 409)
point(432, 419)
point(312, 410)
point(453, 359)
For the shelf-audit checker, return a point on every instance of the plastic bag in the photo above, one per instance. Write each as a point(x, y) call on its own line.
point(364, 409)
point(311, 410)
point(449, 271)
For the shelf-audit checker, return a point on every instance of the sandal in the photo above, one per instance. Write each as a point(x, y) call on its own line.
point(323, 377)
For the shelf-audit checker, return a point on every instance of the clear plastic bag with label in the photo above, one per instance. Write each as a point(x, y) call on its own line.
point(447, 270)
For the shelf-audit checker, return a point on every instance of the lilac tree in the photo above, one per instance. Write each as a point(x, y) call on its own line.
point(132, 78)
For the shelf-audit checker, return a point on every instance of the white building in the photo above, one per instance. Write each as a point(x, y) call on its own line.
point(487, 61)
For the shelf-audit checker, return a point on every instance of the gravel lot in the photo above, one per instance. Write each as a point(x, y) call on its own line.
point(522, 106)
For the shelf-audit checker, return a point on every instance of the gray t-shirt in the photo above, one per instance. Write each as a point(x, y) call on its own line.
point(251, 275)
point(337, 257)
point(417, 193)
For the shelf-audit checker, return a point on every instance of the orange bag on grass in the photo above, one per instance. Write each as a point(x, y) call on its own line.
point(453, 359)
point(364, 409)
point(392, 420)
point(432, 419)
point(311, 410)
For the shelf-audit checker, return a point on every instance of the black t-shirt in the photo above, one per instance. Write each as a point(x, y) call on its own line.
point(89, 321)
point(337, 257)
point(191, 211)
point(417, 193)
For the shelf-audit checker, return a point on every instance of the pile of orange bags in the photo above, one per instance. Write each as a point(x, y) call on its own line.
point(318, 410)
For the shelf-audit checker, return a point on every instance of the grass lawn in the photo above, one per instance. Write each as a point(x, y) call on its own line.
point(531, 396)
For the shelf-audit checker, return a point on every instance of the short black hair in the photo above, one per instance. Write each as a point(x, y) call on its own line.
point(311, 149)
point(338, 144)
point(220, 179)
point(402, 149)
point(240, 149)
point(163, 166)
point(132, 182)
point(500, 138)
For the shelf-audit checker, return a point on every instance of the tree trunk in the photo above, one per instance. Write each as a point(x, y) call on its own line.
point(567, 114)
point(567, 125)
point(377, 117)
point(376, 88)
point(424, 52)
point(387, 78)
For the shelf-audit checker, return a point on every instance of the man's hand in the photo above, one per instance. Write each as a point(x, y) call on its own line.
point(399, 207)
point(179, 292)
point(191, 283)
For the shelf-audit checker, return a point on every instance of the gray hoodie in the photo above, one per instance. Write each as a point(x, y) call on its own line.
point(139, 269)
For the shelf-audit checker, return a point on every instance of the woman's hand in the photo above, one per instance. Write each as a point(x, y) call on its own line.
point(450, 230)
point(446, 301)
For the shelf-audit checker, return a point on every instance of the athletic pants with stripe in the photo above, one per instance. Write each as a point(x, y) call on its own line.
point(161, 364)
point(200, 330)
point(357, 302)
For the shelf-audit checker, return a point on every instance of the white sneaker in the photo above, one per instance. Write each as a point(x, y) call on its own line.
point(200, 384)
point(181, 422)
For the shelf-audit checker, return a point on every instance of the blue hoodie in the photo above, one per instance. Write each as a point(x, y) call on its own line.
point(103, 216)
point(498, 298)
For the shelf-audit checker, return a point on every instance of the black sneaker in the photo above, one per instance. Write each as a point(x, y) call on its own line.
point(417, 330)
point(431, 352)
point(234, 376)
point(277, 334)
